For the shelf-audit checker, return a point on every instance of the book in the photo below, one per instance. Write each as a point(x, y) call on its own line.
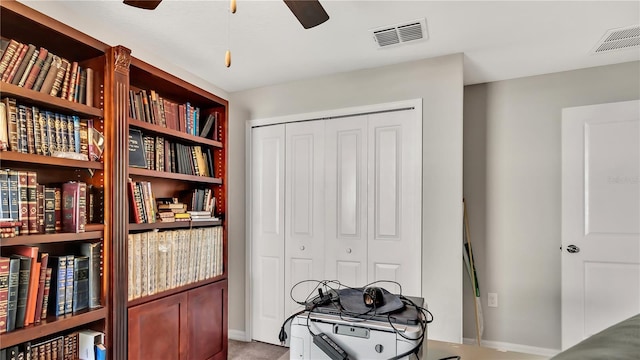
point(34, 279)
point(93, 252)
point(35, 69)
point(25, 61)
point(37, 130)
point(44, 71)
point(45, 296)
point(101, 352)
point(137, 156)
point(23, 289)
point(14, 195)
point(74, 200)
point(57, 290)
point(32, 201)
point(11, 66)
point(87, 340)
point(50, 77)
point(80, 283)
point(12, 299)
point(40, 208)
point(68, 292)
point(58, 208)
point(59, 77)
point(30, 135)
point(33, 57)
point(15, 66)
point(4, 292)
point(4, 195)
point(7, 55)
point(44, 261)
point(11, 108)
point(89, 87)
point(4, 126)
point(23, 201)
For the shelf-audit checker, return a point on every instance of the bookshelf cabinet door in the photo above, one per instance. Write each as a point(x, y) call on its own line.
point(207, 321)
point(157, 330)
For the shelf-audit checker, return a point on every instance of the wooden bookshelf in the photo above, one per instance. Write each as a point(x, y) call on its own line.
point(24, 25)
point(115, 73)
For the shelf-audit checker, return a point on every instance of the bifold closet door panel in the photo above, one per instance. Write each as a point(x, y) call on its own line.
point(346, 200)
point(394, 200)
point(267, 231)
point(304, 210)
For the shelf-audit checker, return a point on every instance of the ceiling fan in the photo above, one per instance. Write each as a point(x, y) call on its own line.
point(310, 13)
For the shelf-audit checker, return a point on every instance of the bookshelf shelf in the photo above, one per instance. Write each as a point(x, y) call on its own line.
point(173, 225)
point(173, 134)
point(52, 325)
point(51, 238)
point(173, 176)
point(50, 102)
point(177, 290)
point(12, 158)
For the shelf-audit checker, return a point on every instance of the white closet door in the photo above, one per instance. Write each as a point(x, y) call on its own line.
point(304, 210)
point(395, 200)
point(267, 232)
point(346, 200)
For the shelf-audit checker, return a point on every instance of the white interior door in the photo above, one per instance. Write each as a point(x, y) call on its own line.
point(600, 217)
point(267, 232)
point(395, 200)
point(346, 200)
point(304, 210)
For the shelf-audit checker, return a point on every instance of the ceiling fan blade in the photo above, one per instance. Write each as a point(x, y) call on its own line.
point(309, 12)
point(143, 4)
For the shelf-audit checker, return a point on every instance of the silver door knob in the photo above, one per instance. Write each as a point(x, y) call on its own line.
point(573, 249)
point(348, 250)
point(301, 247)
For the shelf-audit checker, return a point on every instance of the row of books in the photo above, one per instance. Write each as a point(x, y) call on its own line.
point(35, 284)
point(31, 130)
point(152, 108)
point(84, 344)
point(156, 153)
point(142, 204)
point(48, 209)
point(35, 68)
point(160, 261)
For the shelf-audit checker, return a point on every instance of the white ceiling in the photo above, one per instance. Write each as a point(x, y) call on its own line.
point(500, 39)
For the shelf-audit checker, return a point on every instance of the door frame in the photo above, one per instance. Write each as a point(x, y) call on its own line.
point(415, 104)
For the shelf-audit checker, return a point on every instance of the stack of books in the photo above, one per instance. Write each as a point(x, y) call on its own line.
point(170, 210)
point(9, 228)
point(202, 216)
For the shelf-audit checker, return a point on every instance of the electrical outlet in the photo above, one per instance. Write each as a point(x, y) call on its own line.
point(492, 299)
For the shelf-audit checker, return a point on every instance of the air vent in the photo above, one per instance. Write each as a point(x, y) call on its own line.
point(400, 33)
point(617, 39)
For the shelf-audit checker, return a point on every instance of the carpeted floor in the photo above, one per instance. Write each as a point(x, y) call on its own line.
point(255, 350)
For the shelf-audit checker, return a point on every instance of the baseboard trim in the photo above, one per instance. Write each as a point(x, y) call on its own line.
point(238, 335)
point(504, 346)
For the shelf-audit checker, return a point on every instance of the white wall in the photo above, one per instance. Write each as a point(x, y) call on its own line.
point(439, 83)
point(512, 179)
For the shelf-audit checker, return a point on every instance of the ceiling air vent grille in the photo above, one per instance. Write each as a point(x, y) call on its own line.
point(617, 39)
point(401, 33)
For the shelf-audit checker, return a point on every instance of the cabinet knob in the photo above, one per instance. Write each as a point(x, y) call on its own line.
point(348, 250)
point(301, 247)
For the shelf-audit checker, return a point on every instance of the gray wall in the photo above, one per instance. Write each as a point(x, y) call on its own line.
point(439, 82)
point(512, 178)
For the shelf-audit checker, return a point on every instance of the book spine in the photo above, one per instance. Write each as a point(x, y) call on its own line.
point(68, 297)
point(31, 147)
point(70, 199)
point(23, 203)
point(80, 283)
point(44, 260)
point(37, 130)
point(17, 58)
point(49, 210)
point(51, 132)
point(89, 87)
point(36, 68)
point(14, 195)
point(71, 137)
point(23, 290)
point(61, 74)
point(93, 251)
point(82, 206)
point(32, 201)
point(8, 55)
point(4, 292)
point(45, 295)
point(12, 123)
point(40, 208)
point(50, 77)
point(25, 65)
point(58, 285)
point(22, 129)
point(46, 65)
point(12, 299)
point(4, 128)
point(58, 208)
point(4, 194)
point(60, 131)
